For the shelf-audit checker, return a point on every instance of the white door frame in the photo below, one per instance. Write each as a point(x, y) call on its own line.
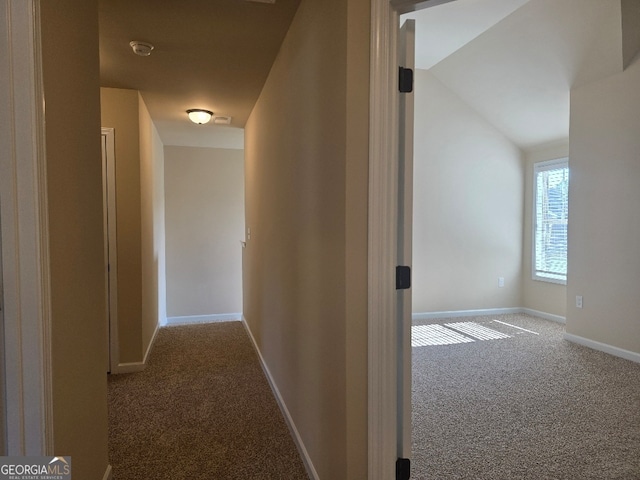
point(383, 228)
point(25, 238)
point(110, 244)
point(3, 383)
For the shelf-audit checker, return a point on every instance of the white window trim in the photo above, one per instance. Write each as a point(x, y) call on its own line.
point(541, 167)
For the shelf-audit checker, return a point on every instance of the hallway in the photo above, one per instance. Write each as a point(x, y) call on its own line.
point(202, 409)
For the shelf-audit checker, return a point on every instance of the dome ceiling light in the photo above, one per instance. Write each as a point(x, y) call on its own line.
point(142, 49)
point(199, 116)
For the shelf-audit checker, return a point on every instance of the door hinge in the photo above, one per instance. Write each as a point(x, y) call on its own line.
point(403, 469)
point(403, 277)
point(405, 80)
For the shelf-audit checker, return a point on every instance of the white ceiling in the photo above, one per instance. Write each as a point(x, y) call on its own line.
point(444, 29)
point(211, 54)
point(515, 61)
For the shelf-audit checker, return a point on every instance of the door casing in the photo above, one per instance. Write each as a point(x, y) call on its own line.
point(25, 234)
point(383, 331)
point(110, 245)
point(3, 410)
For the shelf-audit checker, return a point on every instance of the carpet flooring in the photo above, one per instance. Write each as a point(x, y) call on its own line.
point(525, 406)
point(202, 409)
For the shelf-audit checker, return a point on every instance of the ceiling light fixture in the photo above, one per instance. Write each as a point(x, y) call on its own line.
point(141, 49)
point(199, 116)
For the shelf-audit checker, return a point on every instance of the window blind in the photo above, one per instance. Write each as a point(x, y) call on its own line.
point(551, 220)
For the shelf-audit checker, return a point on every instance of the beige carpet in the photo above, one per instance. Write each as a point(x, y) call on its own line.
point(523, 407)
point(201, 410)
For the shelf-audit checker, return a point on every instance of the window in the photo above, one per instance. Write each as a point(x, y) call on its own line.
point(551, 191)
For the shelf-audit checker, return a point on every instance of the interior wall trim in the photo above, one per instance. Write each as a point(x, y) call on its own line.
point(603, 347)
point(586, 342)
point(383, 126)
point(130, 367)
point(465, 313)
point(111, 241)
point(151, 344)
point(195, 319)
point(383, 333)
point(488, 311)
point(306, 459)
point(108, 474)
point(25, 235)
point(133, 367)
point(383, 443)
point(545, 315)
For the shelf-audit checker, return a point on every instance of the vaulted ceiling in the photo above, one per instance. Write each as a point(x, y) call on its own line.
point(515, 61)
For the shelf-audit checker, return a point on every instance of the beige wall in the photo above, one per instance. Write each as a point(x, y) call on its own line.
point(357, 192)
point(604, 232)
point(152, 227)
point(74, 177)
point(120, 111)
point(304, 180)
point(537, 295)
point(204, 225)
point(140, 221)
point(468, 206)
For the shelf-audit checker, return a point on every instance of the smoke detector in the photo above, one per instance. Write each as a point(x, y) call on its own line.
point(142, 49)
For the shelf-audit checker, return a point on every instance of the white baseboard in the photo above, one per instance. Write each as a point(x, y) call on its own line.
point(134, 367)
point(195, 319)
point(130, 367)
point(151, 343)
point(488, 311)
point(108, 474)
point(311, 471)
point(465, 313)
point(603, 347)
point(547, 316)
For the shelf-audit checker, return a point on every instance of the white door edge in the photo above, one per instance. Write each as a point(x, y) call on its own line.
point(406, 54)
point(383, 225)
point(383, 184)
point(27, 312)
point(111, 252)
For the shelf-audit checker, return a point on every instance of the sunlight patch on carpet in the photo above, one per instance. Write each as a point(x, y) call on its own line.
point(478, 331)
point(513, 326)
point(426, 335)
point(452, 334)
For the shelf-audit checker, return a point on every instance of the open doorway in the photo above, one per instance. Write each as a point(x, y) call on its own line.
point(474, 157)
point(486, 112)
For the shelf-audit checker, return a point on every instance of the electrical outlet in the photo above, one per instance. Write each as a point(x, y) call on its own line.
point(500, 282)
point(578, 301)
